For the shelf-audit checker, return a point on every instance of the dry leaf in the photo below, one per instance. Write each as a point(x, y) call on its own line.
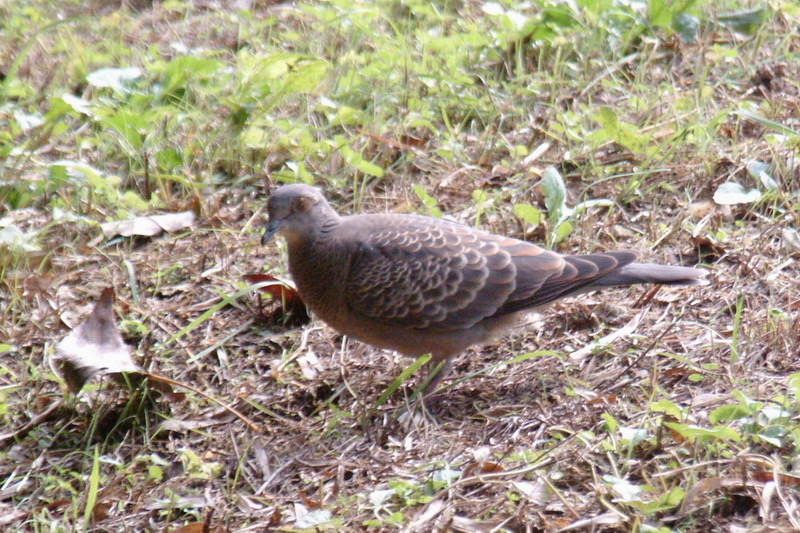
point(701, 209)
point(624, 331)
point(791, 240)
point(184, 426)
point(192, 527)
point(148, 226)
point(274, 518)
point(482, 467)
point(292, 308)
point(787, 480)
point(536, 493)
point(469, 525)
point(707, 485)
point(425, 520)
point(189, 502)
point(309, 365)
point(595, 523)
point(100, 511)
point(94, 347)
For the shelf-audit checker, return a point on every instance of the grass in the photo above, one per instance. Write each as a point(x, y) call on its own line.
point(587, 127)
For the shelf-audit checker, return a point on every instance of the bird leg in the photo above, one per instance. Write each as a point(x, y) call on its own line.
point(437, 369)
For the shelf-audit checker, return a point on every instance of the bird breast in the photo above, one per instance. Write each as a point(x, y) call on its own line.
point(319, 268)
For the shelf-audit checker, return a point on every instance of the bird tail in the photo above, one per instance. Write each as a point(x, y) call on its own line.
point(636, 273)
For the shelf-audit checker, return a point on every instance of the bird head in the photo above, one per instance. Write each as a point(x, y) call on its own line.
point(296, 211)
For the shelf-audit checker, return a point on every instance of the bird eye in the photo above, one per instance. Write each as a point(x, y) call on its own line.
point(303, 203)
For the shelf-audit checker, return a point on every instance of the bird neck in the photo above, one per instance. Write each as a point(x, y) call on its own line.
point(319, 268)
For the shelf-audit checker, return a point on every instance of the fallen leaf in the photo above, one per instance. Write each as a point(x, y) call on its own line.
point(732, 193)
point(274, 518)
point(786, 480)
point(469, 525)
point(192, 527)
point(601, 522)
point(94, 347)
point(148, 226)
point(114, 78)
point(791, 240)
point(425, 520)
point(305, 519)
point(184, 426)
point(188, 502)
point(292, 307)
point(596, 345)
point(707, 485)
point(309, 365)
point(603, 399)
point(704, 208)
point(100, 511)
point(536, 493)
point(482, 467)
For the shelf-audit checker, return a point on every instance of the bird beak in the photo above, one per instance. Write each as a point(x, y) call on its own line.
point(272, 229)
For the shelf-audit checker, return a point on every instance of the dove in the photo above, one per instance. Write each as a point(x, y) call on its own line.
point(422, 285)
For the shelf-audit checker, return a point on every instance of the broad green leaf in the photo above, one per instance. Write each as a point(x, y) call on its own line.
point(753, 405)
point(78, 170)
point(555, 195)
point(427, 200)
point(611, 423)
point(255, 137)
point(773, 435)
point(305, 76)
point(348, 116)
point(198, 67)
point(728, 412)
point(793, 381)
point(528, 213)
point(668, 408)
point(130, 127)
point(380, 497)
point(686, 26)
point(371, 169)
point(132, 201)
point(559, 15)
point(563, 230)
point(480, 198)
point(354, 159)
point(771, 414)
point(746, 21)
point(446, 475)
point(667, 501)
point(704, 434)
point(621, 132)
point(168, 159)
point(177, 71)
point(659, 14)
point(295, 171)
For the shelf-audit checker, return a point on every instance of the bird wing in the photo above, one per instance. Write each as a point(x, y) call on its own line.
point(578, 272)
point(427, 273)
